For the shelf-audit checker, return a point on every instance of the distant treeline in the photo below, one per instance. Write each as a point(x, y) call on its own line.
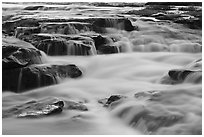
point(175, 3)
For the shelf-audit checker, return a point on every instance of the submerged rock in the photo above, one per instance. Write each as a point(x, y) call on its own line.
point(149, 95)
point(149, 119)
point(35, 109)
point(71, 105)
point(34, 76)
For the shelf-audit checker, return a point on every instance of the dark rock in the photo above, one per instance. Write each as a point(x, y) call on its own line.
point(179, 75)
point(108, 101)
point(99, 40)
point(103, 44)
point(33, 7)
point(9, 26)
point(17, 54)
point(35, 109)
point(118, 23)
point(34, 76)
point(65, 27)
point(99, 23)
point(58, 44)
point(113, 98)
point(21, 31)
point(108, 50)
point(63, 47)
point(193, 23)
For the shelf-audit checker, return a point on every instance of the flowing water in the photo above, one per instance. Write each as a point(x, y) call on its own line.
point(145, 58)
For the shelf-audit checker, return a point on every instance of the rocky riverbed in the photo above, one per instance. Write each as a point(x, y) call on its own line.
point(102, 68)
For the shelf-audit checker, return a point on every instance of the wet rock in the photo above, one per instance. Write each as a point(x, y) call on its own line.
point(99, 40)
point(108, 50)
point(65, 27)
point(191, 73)
point(179, 75)
point(104, 44)
point(34, 76)
point(35, 109)
point(63, 47)
point(118, 23)
point(18, 54)
point(183, 75)
point(59, 44)
point(191, 22)
point(108, 101)
point(9, 26)
point(33, 7)
point(22, 31)
point(100, 23)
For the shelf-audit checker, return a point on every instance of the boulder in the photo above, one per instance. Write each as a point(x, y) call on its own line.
point(18, 54)
point(184, 75)
point(112, 99)
point(34, 76)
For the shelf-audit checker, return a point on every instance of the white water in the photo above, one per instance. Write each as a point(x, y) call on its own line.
point(124, 74)
point(140, 67)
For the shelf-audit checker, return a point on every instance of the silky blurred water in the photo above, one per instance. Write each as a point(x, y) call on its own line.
point(146, 56)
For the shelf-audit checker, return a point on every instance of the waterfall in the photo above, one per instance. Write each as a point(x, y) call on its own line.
point(19, 80)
